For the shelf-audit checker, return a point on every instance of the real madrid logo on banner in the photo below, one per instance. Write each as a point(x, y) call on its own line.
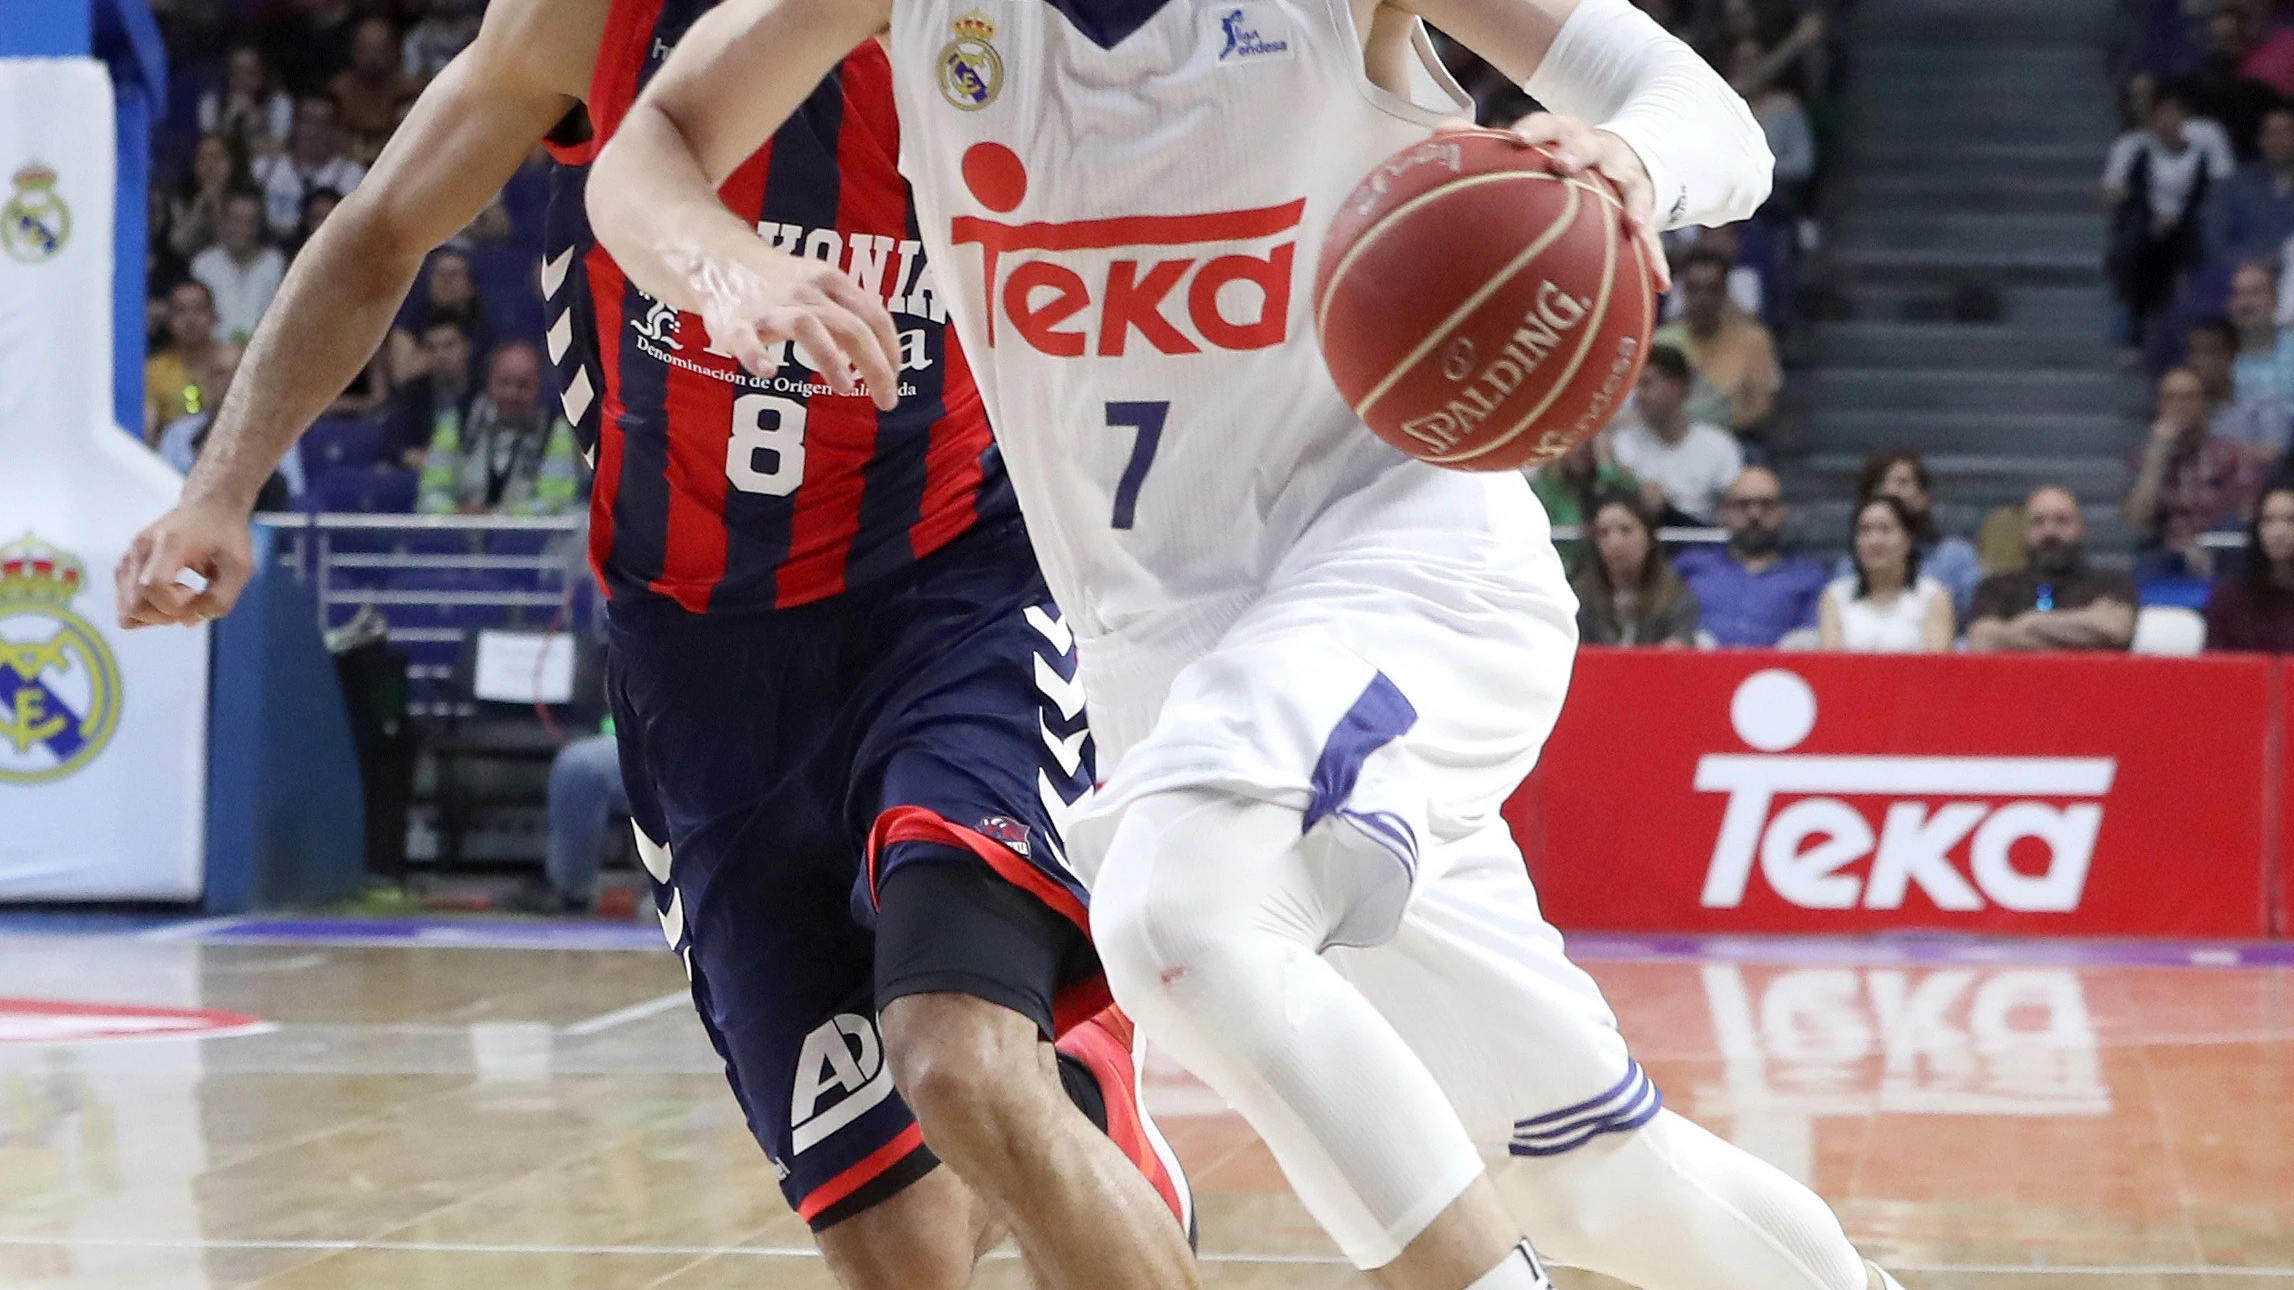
point(35, 223)
point(971, 71)
point(59, 685)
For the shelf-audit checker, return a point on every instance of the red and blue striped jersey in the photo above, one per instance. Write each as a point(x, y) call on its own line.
point(715, 489)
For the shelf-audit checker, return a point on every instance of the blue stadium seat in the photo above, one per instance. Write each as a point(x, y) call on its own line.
point(459, 616)
point(2179, 593)
point(380, 490)
point(508, 281)
point(335, 443)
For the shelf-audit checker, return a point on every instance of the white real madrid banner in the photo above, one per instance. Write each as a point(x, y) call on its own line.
point(103, 765)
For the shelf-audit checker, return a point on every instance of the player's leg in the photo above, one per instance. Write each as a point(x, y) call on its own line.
point(754, 898)
point(1476, 981)
point(982, 955)
point(1210, 915)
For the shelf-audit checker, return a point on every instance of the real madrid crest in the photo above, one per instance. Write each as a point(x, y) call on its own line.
point(971, 71)
point(59, 684)
point(35, 223)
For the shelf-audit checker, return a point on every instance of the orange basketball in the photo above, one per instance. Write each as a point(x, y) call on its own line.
point(1477, 308)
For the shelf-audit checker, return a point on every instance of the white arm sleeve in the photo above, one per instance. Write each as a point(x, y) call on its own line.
point(1613, 66)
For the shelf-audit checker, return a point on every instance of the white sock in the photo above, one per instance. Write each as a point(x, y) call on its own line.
point(1520, 1270)
point(1209, 914)
point(1671, 1207)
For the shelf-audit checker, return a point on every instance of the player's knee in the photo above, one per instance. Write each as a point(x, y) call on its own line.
point(1167, 935)
point(963, 1064)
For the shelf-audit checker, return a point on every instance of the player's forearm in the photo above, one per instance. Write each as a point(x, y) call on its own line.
point(1708, 161)
point(330, 316)
point(653, 207)
point(735, 78)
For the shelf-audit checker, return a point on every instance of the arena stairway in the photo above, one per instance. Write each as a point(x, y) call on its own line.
point(1967, 313)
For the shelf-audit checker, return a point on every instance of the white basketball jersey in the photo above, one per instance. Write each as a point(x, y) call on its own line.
point(1128, 235)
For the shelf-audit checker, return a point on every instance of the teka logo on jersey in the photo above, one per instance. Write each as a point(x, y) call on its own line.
point(840, 1076)
point(1179, 284)
point(1931, 805)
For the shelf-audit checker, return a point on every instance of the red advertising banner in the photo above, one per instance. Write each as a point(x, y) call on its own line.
point(2059, 795)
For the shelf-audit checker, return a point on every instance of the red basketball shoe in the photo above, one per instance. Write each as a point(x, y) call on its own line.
point(1107, 1047)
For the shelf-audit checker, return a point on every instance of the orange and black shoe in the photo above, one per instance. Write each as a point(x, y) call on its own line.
point(1099, 1062)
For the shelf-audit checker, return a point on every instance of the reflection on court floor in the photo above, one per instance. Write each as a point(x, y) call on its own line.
point(375, 1106)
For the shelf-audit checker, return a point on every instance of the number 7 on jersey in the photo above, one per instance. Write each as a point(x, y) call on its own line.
point(1147, 419)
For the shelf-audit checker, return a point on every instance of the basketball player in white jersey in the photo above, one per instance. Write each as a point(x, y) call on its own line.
point(1316, 667)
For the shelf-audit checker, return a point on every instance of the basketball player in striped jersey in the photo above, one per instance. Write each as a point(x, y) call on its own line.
point(847, 706)
point(1317, 668)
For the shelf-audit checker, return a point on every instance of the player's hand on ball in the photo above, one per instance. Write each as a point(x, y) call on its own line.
point(1577, 148)
point(754, 303)
point(207, 540)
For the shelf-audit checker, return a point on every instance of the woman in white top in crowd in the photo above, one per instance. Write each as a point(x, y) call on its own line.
point(1886, 607)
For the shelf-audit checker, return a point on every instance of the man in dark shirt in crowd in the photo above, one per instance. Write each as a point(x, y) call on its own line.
point(2055, 601)
point(444, 386)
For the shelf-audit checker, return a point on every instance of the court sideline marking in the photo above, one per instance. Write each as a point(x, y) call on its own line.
point(623, 1016)
point(808, 1252)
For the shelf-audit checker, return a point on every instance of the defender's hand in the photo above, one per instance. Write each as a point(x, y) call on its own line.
point(753, 303)
point(208, 540)
point(1577, 148)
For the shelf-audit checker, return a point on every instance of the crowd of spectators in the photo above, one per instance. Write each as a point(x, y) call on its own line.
point(278, 109)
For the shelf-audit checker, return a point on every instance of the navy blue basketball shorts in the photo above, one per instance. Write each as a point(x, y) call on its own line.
point(912, 742)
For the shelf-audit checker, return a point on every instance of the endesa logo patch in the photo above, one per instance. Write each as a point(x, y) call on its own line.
point(2025, 826)
point(1248, 33)
point(1174, 284)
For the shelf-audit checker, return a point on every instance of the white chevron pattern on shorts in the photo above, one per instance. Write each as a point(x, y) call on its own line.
point(554, 272)
point(1066, 694)
point(673, 919)
point(655, 855)
point(1069, 751)
point(578, 396)
point(1055, 630)
point(561, 335)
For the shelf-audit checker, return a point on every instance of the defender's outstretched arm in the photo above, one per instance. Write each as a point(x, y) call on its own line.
point(467, 133)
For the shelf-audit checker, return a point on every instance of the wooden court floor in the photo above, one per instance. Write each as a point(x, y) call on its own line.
point(419, 1105)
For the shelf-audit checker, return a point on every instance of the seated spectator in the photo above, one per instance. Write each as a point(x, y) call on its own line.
point(1949, 560)
point(1887, 606)
point(250, 111)
point(585, 793)
point(1568, 487)
point(1627, 592)
point(1778, 50)
point(170, 380)
point(510, 456)
point(2252, 610)
point(1731, 352)
point(2056, 601)
point(2186, 483)
point(369, 92)
point(2221, 91)
point(2261, 423)
point(2252, 214)
point(442, 389)
point(446, 292)
point(182, 440)
point(314, 159)
point(241, 271)
point(195, 215)
point(1683, 465)
point(2265, 366)
point(1753, 592)
point(445, 30)
point(2156, 182)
